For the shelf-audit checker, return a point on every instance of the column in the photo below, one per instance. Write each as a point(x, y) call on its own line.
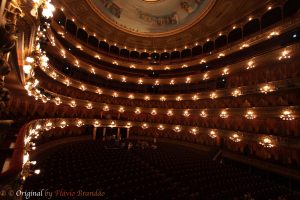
point(94, 133)
point(104, 131)
point(127, 135)
point(118, 134)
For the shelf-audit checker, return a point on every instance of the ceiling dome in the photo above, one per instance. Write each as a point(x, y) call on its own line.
point(152, 18)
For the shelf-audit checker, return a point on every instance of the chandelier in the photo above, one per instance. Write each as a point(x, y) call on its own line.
point(170, 113)
point(235, 137)
point(250, 115)
point(203, 114)
point(186, 113)
point(212, 134)
point(73, 104)
point(287, 115)
point(153, 112)
point(79, 123)
point(194, 130)
point(89, 106)
point(224, 114)
point(137, 111)
point(236, 93)
point(177, 129)
point(63, 124)
point(145, 126)
point(267, 88)
point(266, 142)
point(121, 109)
point(106, 108)
point(160, 127)
point(213, 95)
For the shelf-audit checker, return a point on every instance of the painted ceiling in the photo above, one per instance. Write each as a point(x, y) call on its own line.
point(152, 17)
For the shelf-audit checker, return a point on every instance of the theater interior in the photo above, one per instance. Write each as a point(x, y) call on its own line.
point(150, 99)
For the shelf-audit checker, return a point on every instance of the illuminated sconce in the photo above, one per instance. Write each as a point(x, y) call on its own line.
point(186, 113)
point(236, 92)
point(146, 98)
point(149, 68)
point(99, 91)
point(156, 82)
point(287, 115)
point(27, 69)
point(188, 80)
point(250, 115)
point(161, 127)
point(167, 68)
point(73, 104)
point(145, 126)
point(67, 82)
point(284, 55)
point(82, 87)
point(109, 76)
point(225, 71)
point(79, 47)
point(115, 63)
point(195, 97)
point(224, 114)
point(221, 55)
point(205, 76)
point(250, 65)
point(48, 126)
point(267, 88)
point(137, 111)
point(96, 123)
point(54, 75)
point(113, 124)
point(203, 114)
point(170, 113)
point(178, 98)
point(202, 61)
point(128, 125)
point(89, 106)
point(177, 129)
point(213, 95)
point(184, 66)
point(123, 79)
point(57, 101)
point(212, 134)
point(121, 109)
point(132, 66)
point(97, 57)
point(266, 142)
point(106, 108)
point(63, 124)
point(273, 34)
point(163, 98)
point(93, 71)
point(79, 123)
point(194, 130)
point(153, 112)
point(131, 96)
point(76, 63)
point(140, 81)
point(172, 82)
point(115, 94)
point(244, 46)
point(235, 137)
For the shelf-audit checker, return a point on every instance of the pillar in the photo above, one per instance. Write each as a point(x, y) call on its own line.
point(104, 131)
point(94, 133)
point(127, 135)
point(118, 134)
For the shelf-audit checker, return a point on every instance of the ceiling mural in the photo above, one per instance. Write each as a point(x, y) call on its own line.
point(152, 17)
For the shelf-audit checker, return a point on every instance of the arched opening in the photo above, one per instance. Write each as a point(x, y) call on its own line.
point(71, 27)
point(197, 50)
point(104, 46)
point(93, 41)
point(271, 17)
point(175, 55)
point(165, 56)
point(186, 53)
point(221, 41)
point(251, 27)
point(144, 55)
point(114, 50)
point(208, 47)
point(235, 35)
point(134, 54)
point(291, 7)
point(124, 53)
point(82, 35)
